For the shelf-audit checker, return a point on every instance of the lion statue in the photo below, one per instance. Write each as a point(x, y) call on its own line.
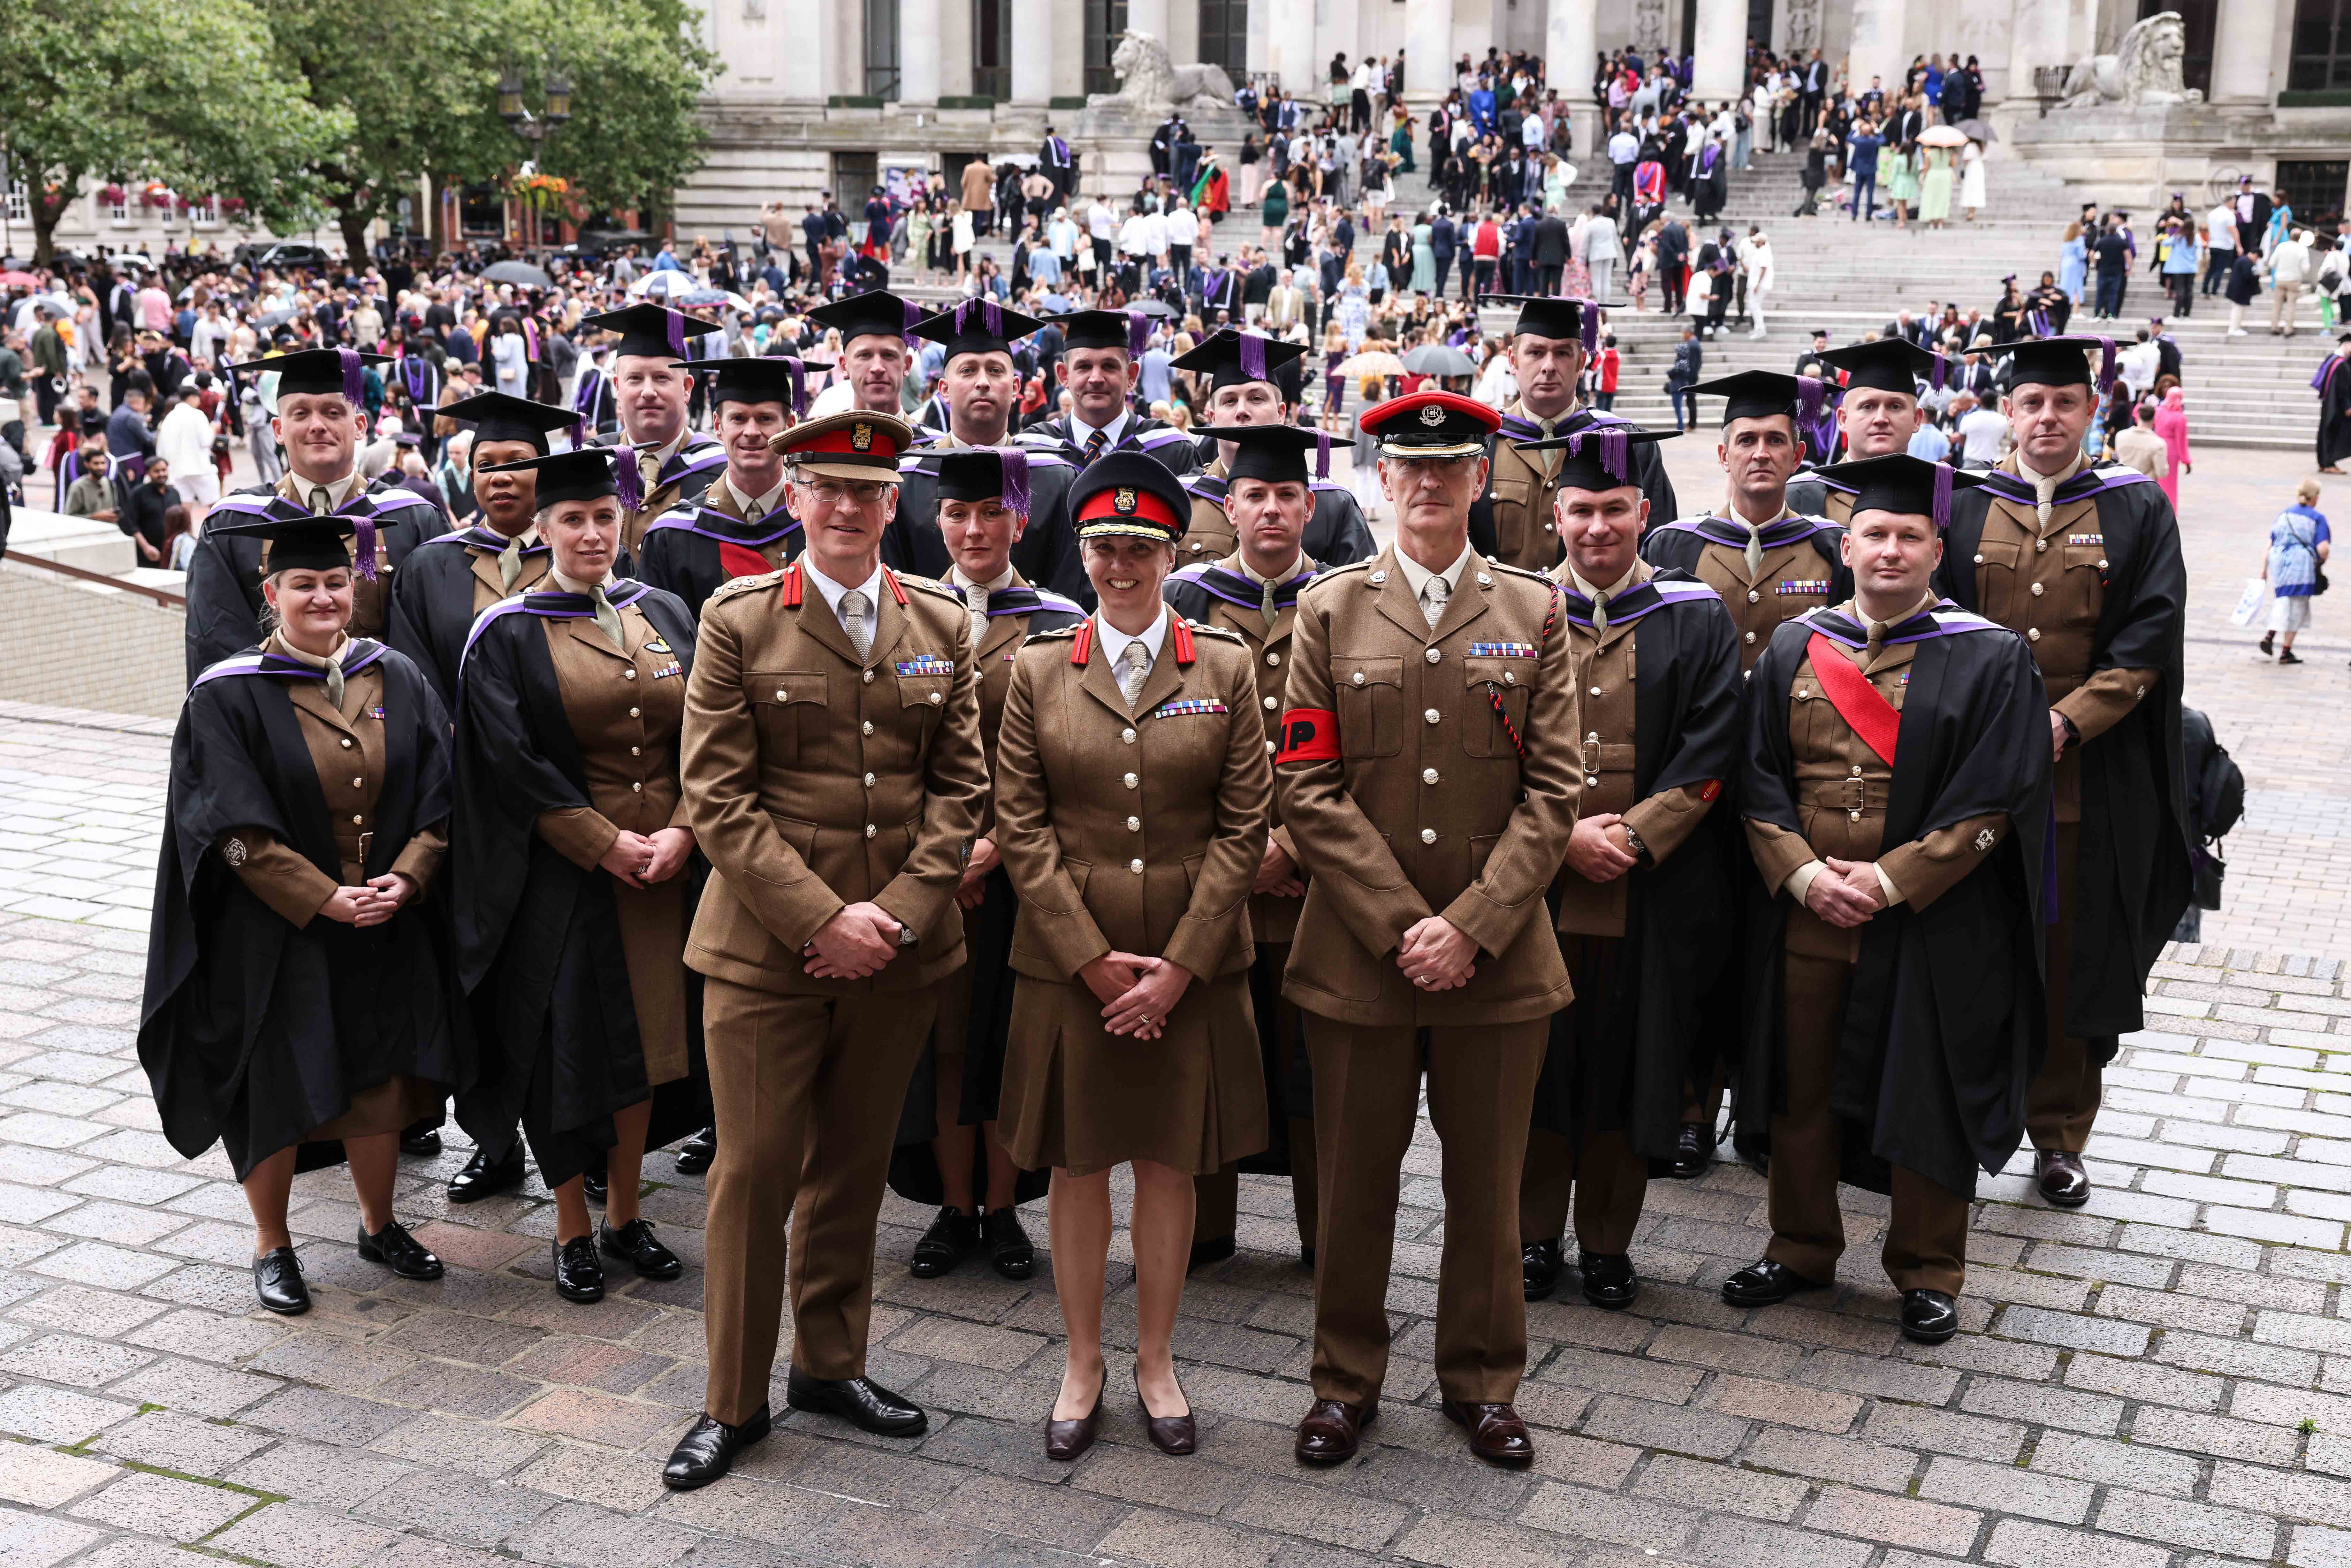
point(1149, 80)
point(2145, 68)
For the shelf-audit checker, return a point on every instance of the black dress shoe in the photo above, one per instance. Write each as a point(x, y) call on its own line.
point(1332, 1431)
point(2061, 1179)
point(1928, 1317)
point(695, 1154)
point(708, 1448)
point(1765, 1283)
point(952, 1236)
point(421, 1138)
point(1066, 1440)
point(859, 1401)
point(1177, 1435)
point(633, 1244)
point(594, 1185)
point(579, 1276)
point(1609, 1281)
point(1207, 1252)
point(399, 1251)
point(277, 1280)
point(1694, 1150)
point(1009, 1251)
point(1539, 1263)
point(481, 1177)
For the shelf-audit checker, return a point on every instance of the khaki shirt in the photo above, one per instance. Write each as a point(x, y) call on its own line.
point(1789, 580)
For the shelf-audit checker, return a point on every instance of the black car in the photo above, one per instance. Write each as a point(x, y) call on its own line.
point(283, 256)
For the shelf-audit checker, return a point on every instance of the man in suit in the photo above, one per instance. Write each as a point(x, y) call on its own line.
point(1101, 365)
point(1551, 252)
point(832, 763)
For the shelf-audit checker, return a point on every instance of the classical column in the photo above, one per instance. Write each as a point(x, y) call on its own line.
point(1032, 50)
point(1148, 16)
point(2041, 36)
point(918, 49)
point(2242, 51)
point(1428, 47)
point(1876, 48)
point(1721, 66)
point(1290, 45)
point(1571, 38)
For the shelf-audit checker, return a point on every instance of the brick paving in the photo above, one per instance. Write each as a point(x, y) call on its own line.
point(2163, 1378)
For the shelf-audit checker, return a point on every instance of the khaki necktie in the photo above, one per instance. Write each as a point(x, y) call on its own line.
point(322, 505)
point(510, 564)
point(649, 466)
point(608, 620)
point(975, 598)
point(854, 609)
point(335, 680)
point(1134, 668)
point(1599, 614)
point(1877, 630)
point(1267, 607)
point(1547, 460)
point(1432, 600)
point(1754, 551)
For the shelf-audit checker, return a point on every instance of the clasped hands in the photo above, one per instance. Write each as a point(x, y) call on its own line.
point(373, 903)
point(1137, 993)
point(1847, 894)
point(859, 941)
point(641, 860)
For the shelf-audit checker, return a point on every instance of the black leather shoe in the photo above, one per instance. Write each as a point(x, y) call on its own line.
point(1694, 1150)
point(2061, 1179)
point(1928, 1317)
point(633, 1244)
point(859, 1401)
point(1009, 1251)
point(422, 1138)
point(594, 1185)
point(277, 1280)
point(1609, 1281)
point(952, 1236)
point(1766, 1283)
point(481, 1177)
point(1207, 1252)
point(399, 1251)
point(579, 1276)
point(708, 1448)
point(1539, 1263)
point(695, 1154)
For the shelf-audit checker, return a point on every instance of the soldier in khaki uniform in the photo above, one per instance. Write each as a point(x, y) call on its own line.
point(1877, 413)
point(652, 386)
point(1550, 343)
point(1895, 787)
point(1427, 779)
point(1253, 593)
point(1769, 565)
point(1247, 374)
point(833, 771)
point(1644, 901)
point(2085, 562)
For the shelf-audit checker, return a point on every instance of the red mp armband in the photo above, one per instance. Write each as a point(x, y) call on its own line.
point(1309, 735)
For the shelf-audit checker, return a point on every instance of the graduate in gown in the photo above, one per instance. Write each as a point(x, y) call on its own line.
point(578, 882)
point(300, 979)
point(2333, 384)
point(740, 526)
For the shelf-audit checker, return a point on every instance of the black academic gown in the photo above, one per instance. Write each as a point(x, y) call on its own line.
point(539, 938)
point(2132, 878)
point(1944, 1025)
point(1679, 931)
point(693, 549)
point(1046, 554)
point(2334, 411)
point(224, 574)
point(433, 603)
point(1336, 534)
point(1170, 445)
point(252, 1032)
point(1649, 473)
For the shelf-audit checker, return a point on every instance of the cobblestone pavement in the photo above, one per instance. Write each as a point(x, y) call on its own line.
point(2163, 1378)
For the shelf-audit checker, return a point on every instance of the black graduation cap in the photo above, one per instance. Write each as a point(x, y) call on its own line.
point(1129, 330)
point(1275, 452)
point(583, 473)
point(317, 371)
point(656, 332)
point(876, 313)
point(1901, 483)
point(977, 327)
point(307, 543)
point(769, 377)
point(1889, 364)
point(500, 416)
point(1547, 317)
point(1234, 358)
point(985, 473)
point(1760, 394)
point(1600, 457)
point(2059, 361)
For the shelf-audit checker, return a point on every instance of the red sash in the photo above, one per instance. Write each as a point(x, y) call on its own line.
point(742, 560)
point(1858, 702)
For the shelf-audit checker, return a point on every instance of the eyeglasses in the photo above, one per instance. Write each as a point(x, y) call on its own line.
point(828, 493)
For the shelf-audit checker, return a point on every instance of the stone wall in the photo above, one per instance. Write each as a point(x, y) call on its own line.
point(69, 644)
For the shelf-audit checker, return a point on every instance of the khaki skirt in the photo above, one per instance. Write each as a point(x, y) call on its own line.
point(1079, 1099)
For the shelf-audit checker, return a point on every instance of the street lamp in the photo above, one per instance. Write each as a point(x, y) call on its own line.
point(555, 109)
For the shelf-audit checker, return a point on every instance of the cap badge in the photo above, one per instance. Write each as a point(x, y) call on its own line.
point(860, 436)
point(1123, 501)
point(1432, 416)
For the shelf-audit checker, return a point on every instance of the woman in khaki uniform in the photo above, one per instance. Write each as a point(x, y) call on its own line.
point(577, 888)
point(299, 981)
point(1131, 798)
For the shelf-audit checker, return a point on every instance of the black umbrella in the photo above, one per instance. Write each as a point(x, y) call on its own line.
point(520, 273)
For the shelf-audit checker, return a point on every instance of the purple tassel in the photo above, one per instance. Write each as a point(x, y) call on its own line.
point(2106, 364)
point(354, 386)
point(799, 373)
point(1942, 496)
point(1937, 370)
point(675, 323)
point(625, 476)
point(1587, 320)
point(1616, 454)
point(1252, 349)
point(913, 314)
point(1322, 453)
point(1138, 334)
point(1811, 396)
point(579, 431)
point(363, 547)
point(1015, 494)
point(991, 315)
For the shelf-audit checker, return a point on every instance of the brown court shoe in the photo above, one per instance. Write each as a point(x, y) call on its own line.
point(1332, 1431)
point(1497, 1434)
point(2061, 1179)
point(1068, 1440)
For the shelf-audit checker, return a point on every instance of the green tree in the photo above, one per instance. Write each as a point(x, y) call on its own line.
point(637, 71)
point(184, 91)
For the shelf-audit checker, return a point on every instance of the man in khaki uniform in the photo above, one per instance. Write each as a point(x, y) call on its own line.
point(832, 759)
point(1244, 387)
point(1877, 413)
point(1427, 779)
point(652, 385)
point(1253, 593)
point(1896, 785)
point(1550, 343)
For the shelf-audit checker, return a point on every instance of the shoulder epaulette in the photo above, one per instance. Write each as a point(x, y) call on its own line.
point(1532, 576)
point(1052, 633)
point(1226, 633)
point(734, 586)
point(1328, 572)
point(929, 585)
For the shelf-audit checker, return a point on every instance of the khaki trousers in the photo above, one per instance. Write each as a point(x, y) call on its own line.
point(1216, 1194)
point(1926, 1239)
point(1481, 1082)
point(808, 1091)
point(2063, 1103)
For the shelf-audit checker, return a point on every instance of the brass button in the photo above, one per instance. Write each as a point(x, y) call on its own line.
point(1357, 677)
point(357, 820)
point(1591, 781)
point(636, 788)
point(1127, 735)
point(1485, 581)
point(1135, 866)
point(938, 696)
point(869, 677)
point(1378, 578)
point(2101, 564)
point(1751, 636)
point(636, 751)
point(871, 829)
point(1271, 748)
point(1273, 658)
point(1131, 780)
point(347, 741)
point(2038, 590)
point(1432, 715)
point(1593, 734)
point(780, 693)
point(867, 728)
point(1434, 655)
point(1856, 770)
point(359, 783)
point(1428, 835)
point(1429, 775)
point(869, 781)
point(2040, 545)
point(1978, 559)
point(630, 674)
point(633, 712)
point(1134, 824)
point(1854, 815)
point(1595, 691)
point(2033, 635)
point(1510, 678)
point(1753, 597)
point(1271, 703)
